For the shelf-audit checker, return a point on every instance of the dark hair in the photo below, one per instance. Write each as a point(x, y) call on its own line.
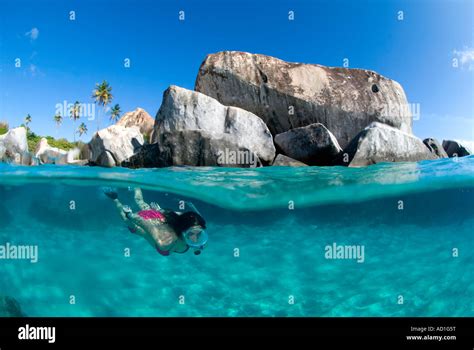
point(181, 223)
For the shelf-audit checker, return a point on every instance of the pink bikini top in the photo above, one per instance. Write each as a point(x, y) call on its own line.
point(152, 214)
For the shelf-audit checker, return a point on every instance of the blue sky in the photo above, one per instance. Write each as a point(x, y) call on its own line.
point(62, 60)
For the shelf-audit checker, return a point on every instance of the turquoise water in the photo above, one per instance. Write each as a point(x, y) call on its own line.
point(408, 218)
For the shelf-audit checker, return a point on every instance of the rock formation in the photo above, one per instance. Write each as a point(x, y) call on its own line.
point(245, 109)
point(291, 95)
point(109, 147)
point(435, 147)
point(14, 147)
point(282, 160)
point(455, 149)
point(50, 155)
point(139, 117)
point(194, 148)
point(224, 128)
point(381, 143)
point(312, 144)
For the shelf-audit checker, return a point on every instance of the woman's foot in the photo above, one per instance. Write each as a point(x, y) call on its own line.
point(109, 192)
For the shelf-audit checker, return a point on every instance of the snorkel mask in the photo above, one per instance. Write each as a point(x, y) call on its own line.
point(196, 238)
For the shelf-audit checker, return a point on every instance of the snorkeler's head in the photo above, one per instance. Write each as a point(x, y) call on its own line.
point(183, 222)
point(190, 219)
point(189, 226)
point(196, 238)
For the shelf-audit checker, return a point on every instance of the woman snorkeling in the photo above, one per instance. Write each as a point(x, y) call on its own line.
point(167, 231)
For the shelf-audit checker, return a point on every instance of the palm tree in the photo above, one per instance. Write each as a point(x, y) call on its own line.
point(103, 96)
point(27, 120)
point(115, 113)
point(82, 129)
point(58, 119)
point(75, 114)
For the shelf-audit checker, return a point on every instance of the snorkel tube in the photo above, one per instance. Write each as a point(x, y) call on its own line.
point(192, 207)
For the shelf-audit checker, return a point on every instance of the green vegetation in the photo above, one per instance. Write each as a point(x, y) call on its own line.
point(61, 143)
point(3, 128)
point(34, 139)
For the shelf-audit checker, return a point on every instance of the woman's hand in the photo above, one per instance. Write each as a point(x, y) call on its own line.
point(127, 210)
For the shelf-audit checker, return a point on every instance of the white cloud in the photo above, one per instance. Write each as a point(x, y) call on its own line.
point(33, 34)
point(466, 57)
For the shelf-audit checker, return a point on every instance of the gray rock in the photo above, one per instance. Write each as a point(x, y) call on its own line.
point(9, 307)
point(50, 155)
point(14, 146)
point(3, 151)
point(139, 117)
point(45, 154)
point(313, 144)
point(435, 147)
point(381, 143)
point(193, 148)
point(291, 95)
point(85, 152)
point(455, 149)
point(147, 157)
point(28, 159)
point(74, 157)
point(80, 162)
point(15, 140)
point(282, 160)
point(111, 146)
point(106, 159)
point(186, 110)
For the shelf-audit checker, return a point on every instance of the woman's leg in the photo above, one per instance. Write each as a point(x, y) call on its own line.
point(119, 207)
point(138, 195)
point(132, 220)
point(113, 195)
